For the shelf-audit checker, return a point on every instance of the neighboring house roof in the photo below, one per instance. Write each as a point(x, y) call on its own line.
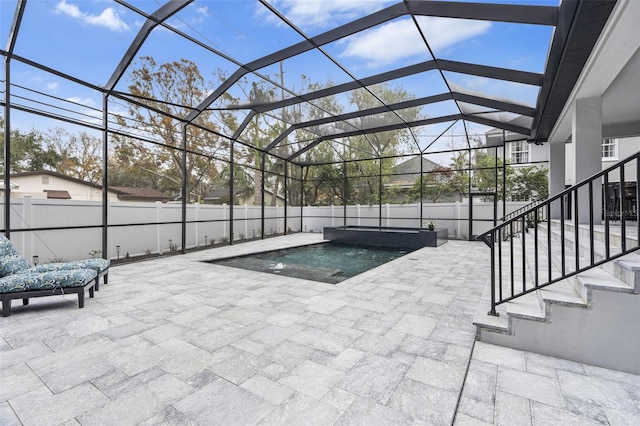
point(57, 194)
point(59, 175)
point(222, 194)
point(12, 185)
point(408, 171)
point(123, 192)
point(130, 193)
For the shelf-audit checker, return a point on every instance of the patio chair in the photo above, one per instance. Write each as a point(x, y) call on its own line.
point(25, 285)
point(101, 266)
point(20, 281)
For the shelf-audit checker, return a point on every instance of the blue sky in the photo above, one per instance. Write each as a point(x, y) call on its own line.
point(87, 38)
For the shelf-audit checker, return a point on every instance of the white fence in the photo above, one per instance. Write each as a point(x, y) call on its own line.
point(150, 232)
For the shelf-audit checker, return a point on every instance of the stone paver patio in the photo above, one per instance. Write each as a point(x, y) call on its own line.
point(178, 341)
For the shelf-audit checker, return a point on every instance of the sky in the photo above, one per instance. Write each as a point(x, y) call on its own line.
point(86, 39)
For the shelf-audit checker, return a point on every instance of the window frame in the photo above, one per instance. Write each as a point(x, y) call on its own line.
point(518, 150)
point(608, 144)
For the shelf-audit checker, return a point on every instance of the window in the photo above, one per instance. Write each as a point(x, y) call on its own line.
point(610, 149)
point(519, 152)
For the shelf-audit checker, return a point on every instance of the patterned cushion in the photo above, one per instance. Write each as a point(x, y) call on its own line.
point(47, 280)
point(12, 264)
point(6, 247)
point(98, 265)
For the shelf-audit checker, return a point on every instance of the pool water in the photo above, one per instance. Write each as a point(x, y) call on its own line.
point(326, 262)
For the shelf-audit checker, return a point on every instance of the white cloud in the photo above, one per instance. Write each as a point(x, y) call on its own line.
point(322, 13)
point(107, 18)
point(82, 101)
point(445, 32)
point(386, 43)
point(398, 40)
point(52, 86)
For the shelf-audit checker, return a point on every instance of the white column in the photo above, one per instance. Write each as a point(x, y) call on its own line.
point(27, 214)
point(333, 216)
point(587, 150)
point(197, 228)
point(246, 221)
point(158, 220)
point(457, 219)
point(388, 215)
point(557, 167)
point(224, 220)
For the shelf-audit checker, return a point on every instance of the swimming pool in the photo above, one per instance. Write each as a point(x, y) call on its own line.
point(325, 262)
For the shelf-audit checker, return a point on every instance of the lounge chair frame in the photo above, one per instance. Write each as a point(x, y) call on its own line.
point(26, 295)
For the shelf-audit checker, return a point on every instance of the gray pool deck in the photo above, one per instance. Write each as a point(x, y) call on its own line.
point(179, 342)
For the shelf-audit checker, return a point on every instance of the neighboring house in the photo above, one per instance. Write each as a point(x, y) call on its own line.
point(520, 153)
point(127, 193)
point(12, 185)
point(241, 197)
point(51, 185)
point(405, 175)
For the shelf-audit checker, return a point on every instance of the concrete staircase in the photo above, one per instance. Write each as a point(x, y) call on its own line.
point(592, 317)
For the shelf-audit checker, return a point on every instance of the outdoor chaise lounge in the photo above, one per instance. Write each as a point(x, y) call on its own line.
point(25, 285)
point(20, 281)
point(101, 266)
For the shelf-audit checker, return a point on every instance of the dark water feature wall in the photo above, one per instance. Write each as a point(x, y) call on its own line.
point(412, 238)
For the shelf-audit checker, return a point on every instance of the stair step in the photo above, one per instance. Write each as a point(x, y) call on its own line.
point(589, 315)
point(584, 243)
point(615, 231)
point(527, 307)
point(500, 323)
point(574, 291)
point(621, 268)
point(599, 247)
point(627, 269)
point(562, 293)
point(598, 279)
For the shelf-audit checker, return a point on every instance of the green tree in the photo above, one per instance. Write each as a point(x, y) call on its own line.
point(324, 185)
point(79, 155)
point(529, 184)
point(132, 163)
point(487, 173)
point(28, 151)
point(167, 90)
point(522, 183)
point(460, 179)
point(363, 174)
point(437, 184)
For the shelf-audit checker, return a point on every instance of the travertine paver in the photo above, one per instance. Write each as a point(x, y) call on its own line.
point(507, 386)
point(178, 341)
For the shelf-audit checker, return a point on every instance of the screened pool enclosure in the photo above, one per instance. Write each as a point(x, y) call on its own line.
point(254, 118)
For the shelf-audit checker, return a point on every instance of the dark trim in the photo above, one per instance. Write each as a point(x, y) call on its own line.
point(162, 14)
point(580, 24)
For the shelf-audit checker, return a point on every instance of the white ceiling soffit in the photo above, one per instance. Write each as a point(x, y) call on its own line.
point(612, 72)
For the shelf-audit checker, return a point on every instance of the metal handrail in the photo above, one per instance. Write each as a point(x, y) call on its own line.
point(564, 204)
point(522, 209)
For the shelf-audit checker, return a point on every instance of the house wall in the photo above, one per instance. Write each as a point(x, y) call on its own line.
point(626, 147)
point(537, 154)
point(35, 185)
point(249, 199)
